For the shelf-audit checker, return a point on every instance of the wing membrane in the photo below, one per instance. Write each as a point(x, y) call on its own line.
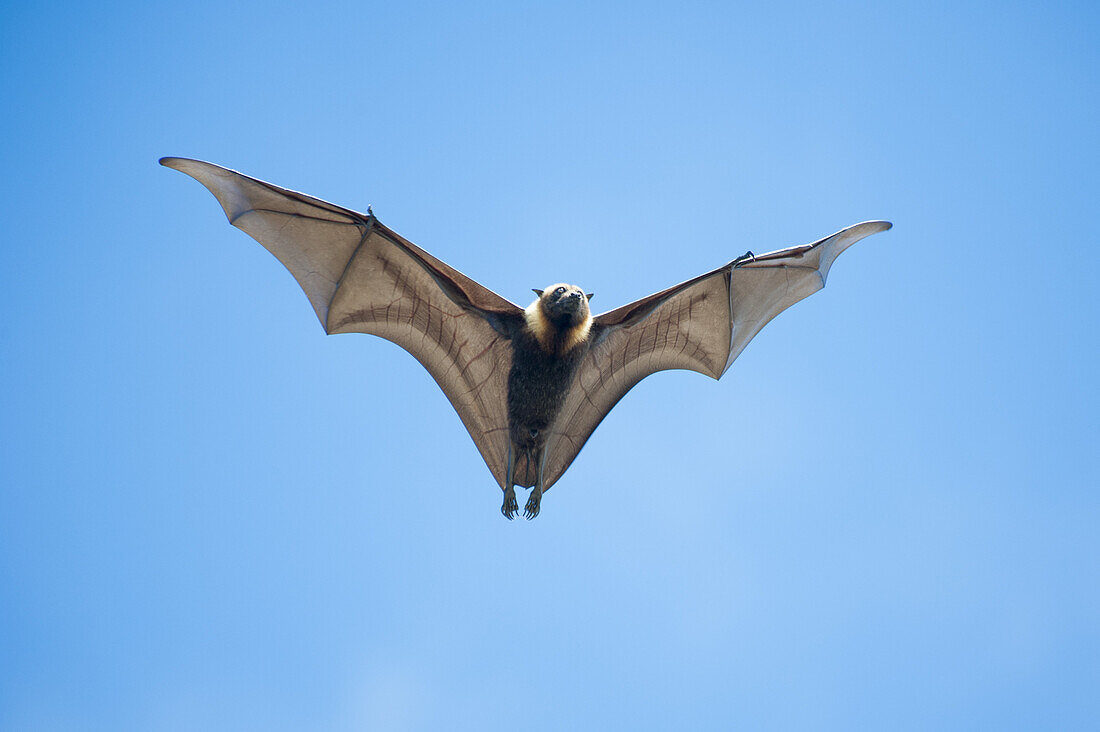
point(360, 276)
point(701, 325)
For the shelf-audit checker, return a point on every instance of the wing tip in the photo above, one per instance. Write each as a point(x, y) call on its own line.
point(877, 225)
point(190, 166)
point(862, 230)
point(187, 166)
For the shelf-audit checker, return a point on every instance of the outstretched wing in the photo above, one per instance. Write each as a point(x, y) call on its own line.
point(702, 325)
point(362, 277)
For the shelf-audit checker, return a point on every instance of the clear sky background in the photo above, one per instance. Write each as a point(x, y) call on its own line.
point(212, 516)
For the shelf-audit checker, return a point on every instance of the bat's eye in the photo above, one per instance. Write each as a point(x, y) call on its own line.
point(559, 291)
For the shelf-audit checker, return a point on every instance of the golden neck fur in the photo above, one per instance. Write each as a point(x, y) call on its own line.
point(550, 337)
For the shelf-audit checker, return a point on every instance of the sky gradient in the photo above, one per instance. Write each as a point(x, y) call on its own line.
point(212, 516)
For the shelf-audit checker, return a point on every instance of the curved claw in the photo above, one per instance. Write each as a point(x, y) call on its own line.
point(533, 503)
point(509, 508)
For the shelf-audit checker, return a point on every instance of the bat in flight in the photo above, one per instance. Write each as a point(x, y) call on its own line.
point(530, 385)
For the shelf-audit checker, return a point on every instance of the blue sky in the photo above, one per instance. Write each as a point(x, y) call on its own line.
point(212, 516)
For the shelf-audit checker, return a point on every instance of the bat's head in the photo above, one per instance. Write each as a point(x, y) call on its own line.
point(560, 318)
point(566, 306)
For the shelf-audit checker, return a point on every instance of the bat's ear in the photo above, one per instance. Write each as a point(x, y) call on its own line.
point(590, 295)
point(537, 292)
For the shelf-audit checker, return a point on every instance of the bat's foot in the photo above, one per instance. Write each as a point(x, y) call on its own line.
point(509, 508)
point(532, 508)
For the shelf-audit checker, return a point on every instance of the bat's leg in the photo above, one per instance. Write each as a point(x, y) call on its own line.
point(509, 508)
point(532, 508)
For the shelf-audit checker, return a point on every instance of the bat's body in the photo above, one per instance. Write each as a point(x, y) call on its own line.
point(529, 385)
point(547, 349)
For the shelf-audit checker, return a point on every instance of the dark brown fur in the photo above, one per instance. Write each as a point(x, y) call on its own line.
point(537, 386)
